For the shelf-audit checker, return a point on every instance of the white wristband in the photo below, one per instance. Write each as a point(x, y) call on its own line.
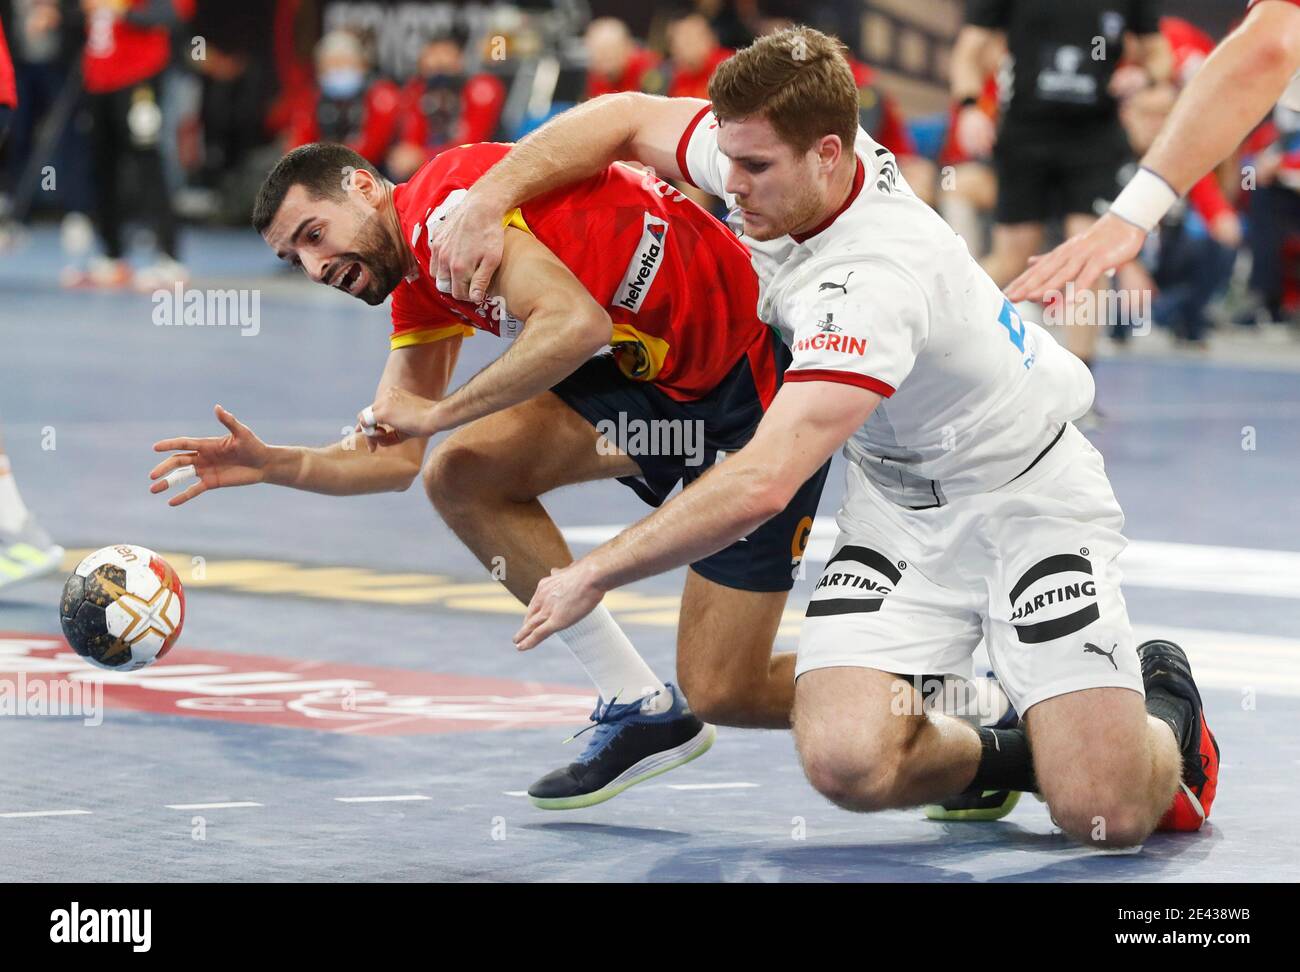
point(1145, 200)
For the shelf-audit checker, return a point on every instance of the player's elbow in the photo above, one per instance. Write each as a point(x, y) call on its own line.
point(767, 493)
point(1274, 42)
point(594, 331)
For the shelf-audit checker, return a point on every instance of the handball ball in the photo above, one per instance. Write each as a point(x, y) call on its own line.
point(122, 608)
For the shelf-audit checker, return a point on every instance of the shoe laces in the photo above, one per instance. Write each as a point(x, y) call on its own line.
point(604, 720)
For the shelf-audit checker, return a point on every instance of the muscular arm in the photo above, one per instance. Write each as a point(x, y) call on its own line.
point(581, 142)
point(563, 327)
point(1237, 86)
point(572, 146)
point(807, 422)
point(346, 468)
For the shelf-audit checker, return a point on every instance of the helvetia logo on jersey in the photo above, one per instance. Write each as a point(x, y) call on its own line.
point(641, 271)
point(825, 341)
point(1059, 595)
point(867, 576)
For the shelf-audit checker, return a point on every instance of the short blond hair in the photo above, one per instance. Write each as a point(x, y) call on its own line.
point(799, 79)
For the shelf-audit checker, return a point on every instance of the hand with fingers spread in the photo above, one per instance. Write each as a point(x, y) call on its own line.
point(561, 600)
point(1108, 244)
point(396, 416)
point(466, 248)
point(239, 458)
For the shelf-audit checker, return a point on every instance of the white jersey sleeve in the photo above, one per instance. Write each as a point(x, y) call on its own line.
point(698, 157)
point(858, 322)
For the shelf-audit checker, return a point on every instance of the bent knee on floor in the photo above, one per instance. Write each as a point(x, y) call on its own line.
point(1105, 819)
point(855, 781)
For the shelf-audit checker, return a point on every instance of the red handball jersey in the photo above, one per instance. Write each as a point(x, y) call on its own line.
point(677, 284)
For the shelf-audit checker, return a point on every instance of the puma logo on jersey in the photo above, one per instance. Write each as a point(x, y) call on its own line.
point(1090, 649)
point(832, 285)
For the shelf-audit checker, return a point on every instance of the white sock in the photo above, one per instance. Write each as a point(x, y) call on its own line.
point(612, 663)
point(13, 514)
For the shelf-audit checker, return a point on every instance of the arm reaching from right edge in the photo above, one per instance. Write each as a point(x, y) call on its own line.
point(345, 468)
point(580, 143)
point(1237, 86)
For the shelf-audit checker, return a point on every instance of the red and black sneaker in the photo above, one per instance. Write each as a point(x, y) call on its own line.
point(1165, 665)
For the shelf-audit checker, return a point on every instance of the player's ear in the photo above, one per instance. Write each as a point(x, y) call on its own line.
point(364, 182)
point(829, 149)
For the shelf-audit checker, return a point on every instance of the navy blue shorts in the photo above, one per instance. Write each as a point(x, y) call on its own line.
point(676, 442)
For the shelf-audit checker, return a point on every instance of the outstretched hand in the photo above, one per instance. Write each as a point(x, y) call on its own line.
point(1108, 244)
point(238, 458)
point(563, 599)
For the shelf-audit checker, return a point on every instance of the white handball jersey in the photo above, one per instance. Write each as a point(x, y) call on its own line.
point(884, 295)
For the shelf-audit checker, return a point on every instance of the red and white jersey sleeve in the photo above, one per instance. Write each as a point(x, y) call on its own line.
point(698, 157)
point(868, 336)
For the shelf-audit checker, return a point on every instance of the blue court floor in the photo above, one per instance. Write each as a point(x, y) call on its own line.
point(245, 766)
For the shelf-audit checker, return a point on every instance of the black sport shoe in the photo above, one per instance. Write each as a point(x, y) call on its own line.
point(988, 804)
point(1165, 666)
point(627, 747)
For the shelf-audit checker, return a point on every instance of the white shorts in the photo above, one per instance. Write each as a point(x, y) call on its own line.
point(1030, 568)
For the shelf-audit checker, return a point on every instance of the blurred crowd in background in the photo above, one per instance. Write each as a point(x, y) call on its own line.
point(137, 118)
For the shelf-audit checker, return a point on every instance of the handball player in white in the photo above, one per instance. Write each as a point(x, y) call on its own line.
point(974, 509)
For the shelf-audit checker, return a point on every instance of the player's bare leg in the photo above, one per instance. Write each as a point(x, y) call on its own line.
point(866, 745)
point(725, 662)
point(485, 480)
point(1013, 245)
point(1107, 769)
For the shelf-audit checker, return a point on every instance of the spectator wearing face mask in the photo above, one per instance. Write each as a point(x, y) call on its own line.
point(443, 107)
point(349, 104)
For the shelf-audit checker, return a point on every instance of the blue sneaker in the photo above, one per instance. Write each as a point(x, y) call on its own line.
point(626, 747)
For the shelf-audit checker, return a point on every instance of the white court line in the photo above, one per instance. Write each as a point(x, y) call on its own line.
point(710, 786)
point(383, 799)
point(44, 813)
point(211, 806)
point(525, 792)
